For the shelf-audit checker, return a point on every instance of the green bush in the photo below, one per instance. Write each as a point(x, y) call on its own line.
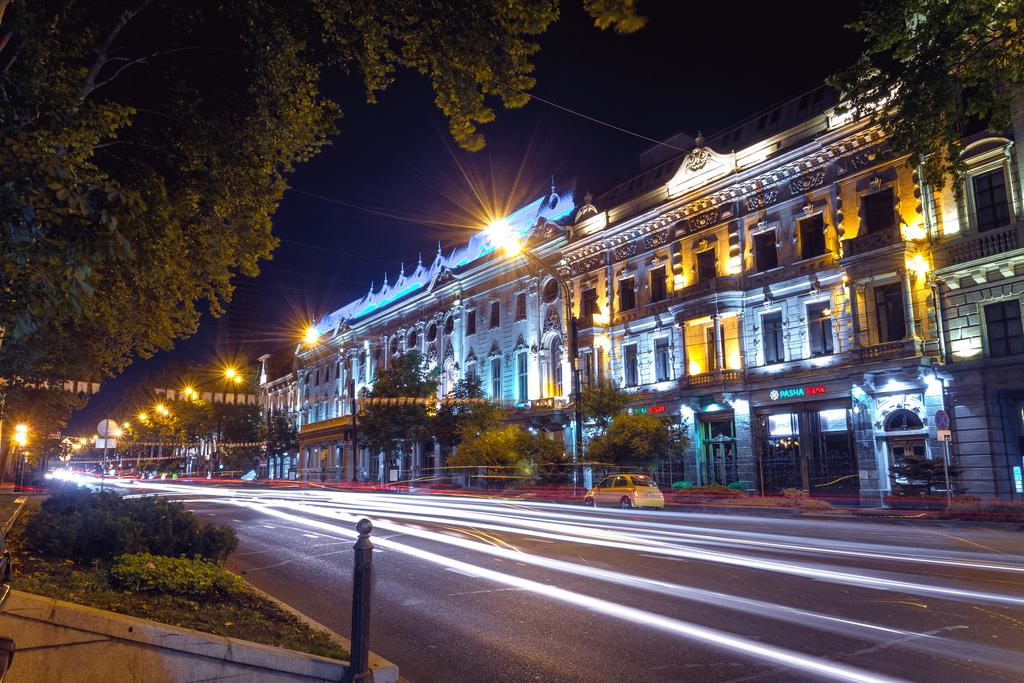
point(738, 485)
point(82, 526)
point(709, 491)
point(175, 575)
point(681, 484)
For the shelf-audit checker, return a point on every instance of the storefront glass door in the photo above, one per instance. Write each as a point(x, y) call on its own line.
point(832, 467)
point(718, 451)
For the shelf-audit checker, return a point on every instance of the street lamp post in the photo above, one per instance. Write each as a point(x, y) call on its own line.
point(504, 237)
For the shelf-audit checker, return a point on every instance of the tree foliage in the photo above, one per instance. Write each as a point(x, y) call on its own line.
point(390, 426)
point(919, 474)
point(602, 400)
point(934, 67)
point(636, 440)
point(464, 413)
point(509, 452)
point(145, 145)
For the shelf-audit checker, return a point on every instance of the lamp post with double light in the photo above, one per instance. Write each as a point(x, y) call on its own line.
point(502, 235)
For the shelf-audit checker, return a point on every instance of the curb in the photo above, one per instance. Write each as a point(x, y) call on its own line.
point(381, 670)
point(20, 502)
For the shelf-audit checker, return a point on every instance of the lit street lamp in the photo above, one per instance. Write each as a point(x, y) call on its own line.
point(502, 235)
point(21, 439)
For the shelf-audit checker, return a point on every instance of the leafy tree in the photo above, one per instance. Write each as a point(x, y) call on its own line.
point(601, 401)
point(509, 452)
point(933, 67)
point(145, 144)
point(464, 413)
point(45, 411)
point(398, 408)
point(282, 436)
point(635, 440)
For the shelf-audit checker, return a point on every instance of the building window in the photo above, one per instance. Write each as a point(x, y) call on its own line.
point(471, 321)
point(629, 365)
point(522, 377)
point(449, 325)
point(432, 332)
point(471, 369)
point(892, 322)
point(550, 291)
point(496, 379)
point(317, 381)
point(706, 265)
point(991, 207)
point(819, 329)
point(599, 364)
point(556, 367)
point(879, 211)
point(1003, 328)
point(495, 320)
point(587, 367)
point(588, 307)
point(659, 289)
point(710, 350)
point(412, 340)
point(766, 253)
point(774, 342)
point(812, 236)
point(627, 294)
point(521, 306)
point(662, 360)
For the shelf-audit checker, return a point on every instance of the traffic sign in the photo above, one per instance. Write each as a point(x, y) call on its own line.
point(107, 428)
point(944, 435)
point(941, 420)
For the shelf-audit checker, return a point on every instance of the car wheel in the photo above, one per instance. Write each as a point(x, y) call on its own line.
point(625, 503)
point(588, 502)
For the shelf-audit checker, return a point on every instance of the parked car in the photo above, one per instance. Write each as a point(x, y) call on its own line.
point(626, 491)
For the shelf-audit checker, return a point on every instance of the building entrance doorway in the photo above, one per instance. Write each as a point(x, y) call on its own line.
point(718, 450)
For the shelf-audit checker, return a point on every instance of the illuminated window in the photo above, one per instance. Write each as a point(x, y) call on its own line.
point(629, 363)
point(627, 294)
point(587, 367)
point(471, 321)
point(470, 369)
point(706, 269)
point(662, 360)
point(521, 306)
point(1003, 328)
point(658, 284)
point(496, 379)
point(774, 341)
point(889, 313)
point(812, 236)
point(588, 307)
point(766, 253)
point(879, 211)
point(700, 347)
point(522, 377)
point(819, 329)
point(991, 208)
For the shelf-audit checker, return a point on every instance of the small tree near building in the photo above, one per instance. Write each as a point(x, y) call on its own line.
point(509, 455)
point(464, 413)
point(636, 441)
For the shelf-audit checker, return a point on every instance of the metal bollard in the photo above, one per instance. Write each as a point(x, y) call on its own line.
point(359, 668)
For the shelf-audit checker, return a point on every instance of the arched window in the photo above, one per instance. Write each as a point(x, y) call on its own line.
point(449, 325)
point(432, 332)
point(550, 292)
point(901, 420)
point(411, 340)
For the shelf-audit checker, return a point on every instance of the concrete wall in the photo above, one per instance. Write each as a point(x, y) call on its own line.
point(61, 641)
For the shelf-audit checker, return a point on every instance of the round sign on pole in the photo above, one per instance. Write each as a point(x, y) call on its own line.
point(941, 419)
point(106, 429)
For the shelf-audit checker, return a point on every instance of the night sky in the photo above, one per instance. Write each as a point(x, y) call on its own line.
point(393, 184)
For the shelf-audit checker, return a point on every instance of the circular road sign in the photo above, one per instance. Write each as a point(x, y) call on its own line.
point(106, 429)
point(941, 419)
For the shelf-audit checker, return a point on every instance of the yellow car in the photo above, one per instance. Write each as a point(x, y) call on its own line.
point(626, 491)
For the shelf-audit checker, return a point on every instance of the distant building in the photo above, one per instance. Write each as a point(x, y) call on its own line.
point(790, 289)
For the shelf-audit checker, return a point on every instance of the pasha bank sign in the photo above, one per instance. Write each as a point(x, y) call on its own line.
point(784, 393)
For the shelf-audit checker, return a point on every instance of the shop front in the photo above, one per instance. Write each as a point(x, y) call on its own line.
point(803, 440)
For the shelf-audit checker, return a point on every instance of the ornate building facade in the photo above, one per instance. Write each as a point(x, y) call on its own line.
point(789, 288)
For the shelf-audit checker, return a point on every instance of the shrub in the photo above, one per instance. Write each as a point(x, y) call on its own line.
point(83, 526)
point(681, 484)
point(710, 491)
point(176, 575)
point(991, 510)
point(738, 485)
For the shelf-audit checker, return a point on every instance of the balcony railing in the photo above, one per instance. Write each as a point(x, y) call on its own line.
point(980, 245)
point(862, 244)
point(714, 377)
point(722, 283)
point(905, 348)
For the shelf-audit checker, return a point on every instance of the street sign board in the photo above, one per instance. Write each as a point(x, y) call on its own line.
point(107, 428)
point(941, 420)
point(944, 435)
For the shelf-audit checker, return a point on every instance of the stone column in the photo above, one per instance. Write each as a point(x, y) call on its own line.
point(716, 321)
point(908, 303)
point(855, 291)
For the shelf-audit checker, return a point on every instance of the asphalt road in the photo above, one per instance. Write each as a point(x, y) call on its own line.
point(485, 590)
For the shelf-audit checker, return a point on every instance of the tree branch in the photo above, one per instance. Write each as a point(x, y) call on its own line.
point(101, 57)
point(142, 60)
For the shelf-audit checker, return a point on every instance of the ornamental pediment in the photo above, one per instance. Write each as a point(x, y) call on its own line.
point(701, 166)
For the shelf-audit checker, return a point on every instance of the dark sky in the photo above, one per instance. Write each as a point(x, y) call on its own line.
point(393, 184)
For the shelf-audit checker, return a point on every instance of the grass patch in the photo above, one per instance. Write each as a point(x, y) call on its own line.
point(242, 613)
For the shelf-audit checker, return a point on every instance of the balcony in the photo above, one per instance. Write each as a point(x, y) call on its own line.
point(862, 244)
point(714, 377)
point(722, 283)
point(905, 348)
point(980, 245)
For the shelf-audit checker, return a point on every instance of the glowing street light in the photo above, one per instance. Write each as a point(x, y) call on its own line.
point(143, 417)
point(501, 235)
point(311, 336)
point(232, 375)
point(162, 409)
point(21, 435)
point(189, 392)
